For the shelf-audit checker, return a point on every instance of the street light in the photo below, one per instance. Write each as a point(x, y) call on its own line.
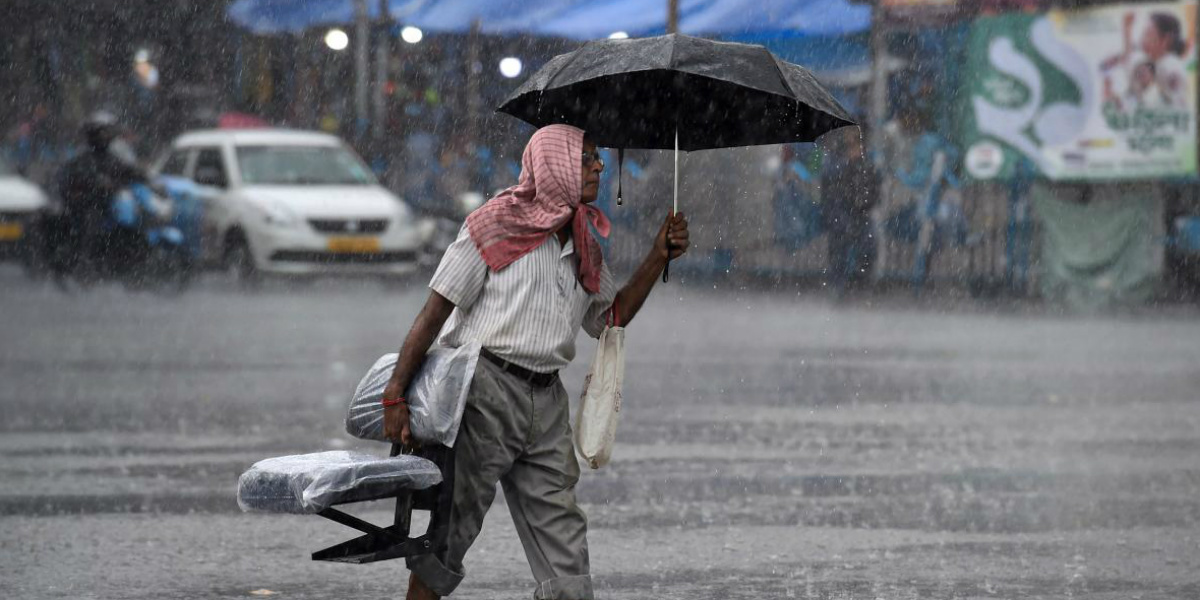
point(411, 34)
point(510, 67)
point(337, 39)
point(618, 35)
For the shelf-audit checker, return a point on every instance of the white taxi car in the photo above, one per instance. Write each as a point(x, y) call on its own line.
point(293, 202)
point(21, 202)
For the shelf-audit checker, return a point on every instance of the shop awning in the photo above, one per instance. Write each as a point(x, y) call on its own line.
point(574, 19)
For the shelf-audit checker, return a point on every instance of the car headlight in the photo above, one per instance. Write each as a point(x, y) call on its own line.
point(278, 215)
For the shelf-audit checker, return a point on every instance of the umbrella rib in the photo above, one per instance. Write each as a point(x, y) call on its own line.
point(550, 82)
point(786, 84)
point(783, 78)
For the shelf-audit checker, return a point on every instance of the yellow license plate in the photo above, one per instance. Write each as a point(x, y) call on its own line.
point(354, 245)
point(11, 232)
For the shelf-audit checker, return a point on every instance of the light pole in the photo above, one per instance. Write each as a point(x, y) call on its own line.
point(383, 50)
point(361, 72)
point(878, 88)
point(474, 102)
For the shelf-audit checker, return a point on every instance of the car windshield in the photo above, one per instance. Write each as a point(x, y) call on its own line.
point(6, 169)
point(301, 165)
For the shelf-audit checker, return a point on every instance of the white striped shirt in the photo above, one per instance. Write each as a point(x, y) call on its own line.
point(530, 312)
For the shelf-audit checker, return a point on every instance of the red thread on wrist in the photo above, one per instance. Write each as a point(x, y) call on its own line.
point(393, 402)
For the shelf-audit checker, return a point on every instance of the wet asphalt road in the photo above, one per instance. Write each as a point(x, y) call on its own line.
point(771, 446)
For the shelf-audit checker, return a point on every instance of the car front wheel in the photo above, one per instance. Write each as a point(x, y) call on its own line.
point(239, 263)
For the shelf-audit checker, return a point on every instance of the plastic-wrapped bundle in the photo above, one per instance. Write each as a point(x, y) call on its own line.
point(436, 397)
point(310, 483)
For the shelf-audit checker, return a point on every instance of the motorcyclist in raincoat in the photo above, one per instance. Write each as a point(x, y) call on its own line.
point(88, 185)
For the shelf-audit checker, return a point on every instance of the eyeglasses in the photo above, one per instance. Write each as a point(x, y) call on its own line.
point(591, 158)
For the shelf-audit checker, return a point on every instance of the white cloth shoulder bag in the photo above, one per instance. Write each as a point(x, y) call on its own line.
point(600, 406)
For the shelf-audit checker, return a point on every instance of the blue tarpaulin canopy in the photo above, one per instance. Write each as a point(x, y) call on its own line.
point(575, 19)
point(291, 16)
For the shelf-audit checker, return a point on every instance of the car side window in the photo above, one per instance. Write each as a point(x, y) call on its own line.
point(210, 168)
point(175, 164)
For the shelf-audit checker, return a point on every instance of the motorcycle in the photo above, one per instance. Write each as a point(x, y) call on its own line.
point(140, 244)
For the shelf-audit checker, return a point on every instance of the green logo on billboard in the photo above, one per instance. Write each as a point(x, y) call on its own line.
point(1004, 91)
point(1033, 90)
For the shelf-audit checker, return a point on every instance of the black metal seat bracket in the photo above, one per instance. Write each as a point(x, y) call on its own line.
point(384, 543)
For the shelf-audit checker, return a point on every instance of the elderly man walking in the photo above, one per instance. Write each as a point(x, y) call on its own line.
point(523, 276)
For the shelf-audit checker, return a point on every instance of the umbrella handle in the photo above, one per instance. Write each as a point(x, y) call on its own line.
point(667, 240)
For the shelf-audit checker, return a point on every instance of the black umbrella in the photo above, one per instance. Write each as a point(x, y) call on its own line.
point(680, 92)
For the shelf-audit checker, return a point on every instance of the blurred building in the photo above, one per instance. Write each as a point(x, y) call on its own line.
point(910, 68)
point(72, 57)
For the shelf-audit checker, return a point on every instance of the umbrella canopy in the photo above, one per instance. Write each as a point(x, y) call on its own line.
point(681, 92)
point(642, 93)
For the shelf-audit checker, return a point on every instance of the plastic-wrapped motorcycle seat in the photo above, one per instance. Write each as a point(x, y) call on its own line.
point(436, 397)
point(310, 483)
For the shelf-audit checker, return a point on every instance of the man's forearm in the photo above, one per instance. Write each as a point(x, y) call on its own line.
point(631, 297)
point(424, 330)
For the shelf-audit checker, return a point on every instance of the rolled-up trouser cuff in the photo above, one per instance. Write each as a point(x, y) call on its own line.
point(436, 576)
point(575, 587)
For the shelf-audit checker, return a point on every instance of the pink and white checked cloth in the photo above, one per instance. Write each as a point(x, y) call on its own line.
point(546, 196)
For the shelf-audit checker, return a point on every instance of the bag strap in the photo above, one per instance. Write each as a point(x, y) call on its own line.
point(614, 315)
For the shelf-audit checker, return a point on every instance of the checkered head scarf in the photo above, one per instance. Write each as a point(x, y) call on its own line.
point(546, 197)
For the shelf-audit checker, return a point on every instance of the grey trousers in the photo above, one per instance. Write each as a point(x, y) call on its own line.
point(520, 436)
